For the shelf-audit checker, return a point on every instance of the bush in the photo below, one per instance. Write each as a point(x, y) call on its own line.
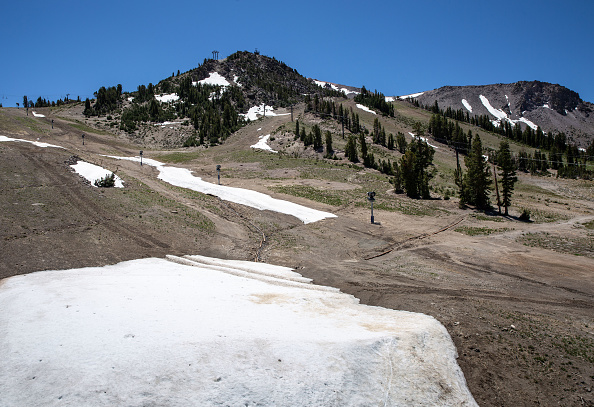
point(106, 182)
point(525, 216)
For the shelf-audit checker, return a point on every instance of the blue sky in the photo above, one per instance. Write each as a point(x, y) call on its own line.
point(50, 49)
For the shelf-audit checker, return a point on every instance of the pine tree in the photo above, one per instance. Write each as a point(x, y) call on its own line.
point(350, 150)
point(329, 149)
point(507, 174)
point(477, 179)
point(317, 138)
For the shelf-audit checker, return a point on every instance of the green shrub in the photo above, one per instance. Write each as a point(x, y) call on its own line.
point(106, 182)
point(525, 216)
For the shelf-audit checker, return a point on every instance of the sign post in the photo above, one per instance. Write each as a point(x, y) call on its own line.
point(371, 199)
point(219, 173)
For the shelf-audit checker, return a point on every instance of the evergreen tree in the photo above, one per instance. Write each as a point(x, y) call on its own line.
point(317, 138)
point(507, 174)
point(401, 142)
point(477, 179)
point(329, 149)
point(350, 150)
point(363, 145)
point(296, 129)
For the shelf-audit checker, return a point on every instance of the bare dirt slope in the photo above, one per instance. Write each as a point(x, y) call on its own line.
point(517, 298)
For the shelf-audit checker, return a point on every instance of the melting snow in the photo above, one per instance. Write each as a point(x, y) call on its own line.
point(236, 80)
point(498, 113)
point(333, 86)
point(214, 78)
point(37, 114)
point(172, 97)
point(363, 107)
point(501, 115)
point(158, 332)
point(37, 143)
point(467, 105)
point(93, 172)
point(390, 99)
point(263, 144)
point(414, 136)
point(412, 95)
point(182, 177)
point(256, 111)
point(528, 122)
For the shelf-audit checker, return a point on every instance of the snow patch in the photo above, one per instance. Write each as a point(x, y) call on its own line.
point(528, 122)
point(92, 173)
point(390, 99)
point(182, 177)
point(414, 136)
point(263, 144)
point(159, 332)
point(333, 86)
point(37, 143)
point(467, 105)
point(498, 113)
point(214, 78)
point(236, 80)
point(172, 97)
point(37, 114)
point(363, 107)
point(256, 111)
point(412, 95)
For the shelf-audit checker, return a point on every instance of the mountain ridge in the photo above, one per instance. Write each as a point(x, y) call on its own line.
point(552, 107)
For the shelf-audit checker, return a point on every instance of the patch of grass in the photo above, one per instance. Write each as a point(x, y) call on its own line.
point(487, 218)
point(479, 231)
point(589, 225)
point(83, 127)
point(576, 245)
point(576, 346)
point(311, 193)
point(178, 157)
point(32, 124)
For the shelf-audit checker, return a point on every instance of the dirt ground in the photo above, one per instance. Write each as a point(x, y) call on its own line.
point(517, 298)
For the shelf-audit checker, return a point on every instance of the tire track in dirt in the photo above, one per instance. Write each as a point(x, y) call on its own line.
point(403, 244)
point(89, 208)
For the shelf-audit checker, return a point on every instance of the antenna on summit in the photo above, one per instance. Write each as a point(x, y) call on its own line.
point(215, 55)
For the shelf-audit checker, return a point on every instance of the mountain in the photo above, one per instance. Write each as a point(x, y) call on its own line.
point(215, 99)
point(552, 107)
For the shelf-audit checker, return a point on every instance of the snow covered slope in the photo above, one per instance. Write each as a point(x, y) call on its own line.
point(203, 332)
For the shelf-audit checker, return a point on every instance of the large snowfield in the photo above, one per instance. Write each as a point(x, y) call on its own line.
point(205, 332)
point(183, 177)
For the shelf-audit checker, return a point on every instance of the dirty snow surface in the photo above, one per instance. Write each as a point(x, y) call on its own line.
point(182, 177)
point(207, 332)
point(92, 173)
point(36, 143)
point(262, 144)
point(37, 114)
